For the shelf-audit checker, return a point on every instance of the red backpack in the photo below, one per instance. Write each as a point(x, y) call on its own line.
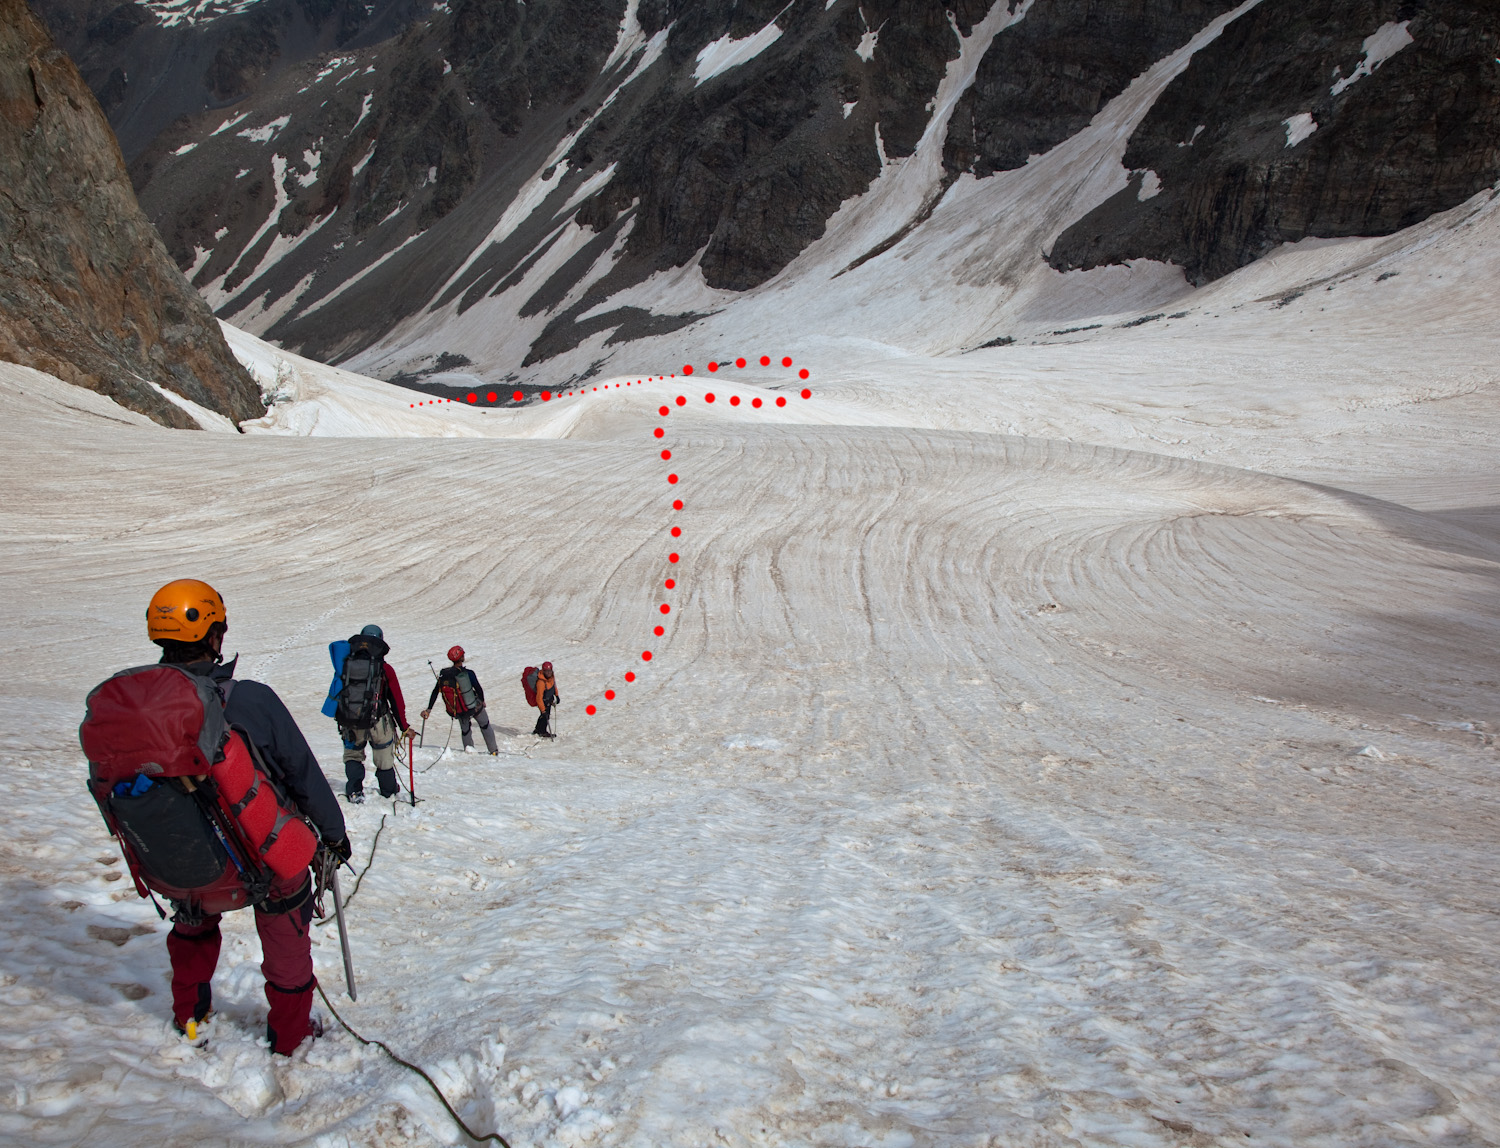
point(195, 810)
point(528, 683)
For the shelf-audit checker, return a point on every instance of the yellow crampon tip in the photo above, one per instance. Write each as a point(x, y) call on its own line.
point(192, 1029)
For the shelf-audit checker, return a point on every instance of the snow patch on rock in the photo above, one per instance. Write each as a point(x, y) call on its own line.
point(1299, 127)
point(1379, 47)
point(726, 52)
point(267, 132)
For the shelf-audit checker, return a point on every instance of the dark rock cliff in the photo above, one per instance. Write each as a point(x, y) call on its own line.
point(1283, 129)
point(87, 291)
point(147, 71)
point(1046, 77)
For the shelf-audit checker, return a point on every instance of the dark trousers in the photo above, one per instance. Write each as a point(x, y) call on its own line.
point(544, 723)
point(286, 963)
point(481, 718)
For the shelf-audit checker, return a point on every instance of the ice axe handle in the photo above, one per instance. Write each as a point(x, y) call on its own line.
point(338, 909)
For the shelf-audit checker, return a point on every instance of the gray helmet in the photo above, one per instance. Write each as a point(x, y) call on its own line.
point(373, 631)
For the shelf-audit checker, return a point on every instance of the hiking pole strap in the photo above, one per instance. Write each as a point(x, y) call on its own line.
point(338, 909)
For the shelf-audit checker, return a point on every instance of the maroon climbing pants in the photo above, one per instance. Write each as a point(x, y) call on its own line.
point(286, 963)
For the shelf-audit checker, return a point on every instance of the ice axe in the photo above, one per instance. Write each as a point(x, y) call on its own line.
point(328, 878)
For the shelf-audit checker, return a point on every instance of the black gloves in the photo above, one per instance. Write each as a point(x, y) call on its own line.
point(341, 849)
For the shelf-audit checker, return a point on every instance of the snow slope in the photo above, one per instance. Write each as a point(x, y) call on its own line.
point(1016, 768)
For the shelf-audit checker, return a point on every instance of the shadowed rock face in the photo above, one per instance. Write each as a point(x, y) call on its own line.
point(87, 291)
point(1241, 166)
point(147, 70)
point(1046, 77)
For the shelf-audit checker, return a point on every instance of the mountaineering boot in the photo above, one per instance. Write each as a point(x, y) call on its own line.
point(470, 749)
point(357, 797)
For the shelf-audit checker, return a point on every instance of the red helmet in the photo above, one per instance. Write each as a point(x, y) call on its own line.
point(456, 654)
point(547, 668)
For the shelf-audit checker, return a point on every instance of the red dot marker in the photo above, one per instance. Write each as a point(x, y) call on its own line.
point(546, 396)
point(781, 400)
point(739, 362)
point(765, 360)
point(666, 454)
point(755, 402)
point(802, 374)
point(590, 710)
point(489, 398)
point(660, 433)
point(517, 396)
point(670, 583)
point(672, 478)
point(708, 398)
point(806, 394)
point(673, 557)
point(688, 370)
point(664, 412)
point(609, 695)
point(659, 631)
point(677, 504)
point(665, 609)
point(734, 400)
point(646, 655)
point(713, 366)
point(676, 532)
point(681, 402)
point(473, 398)
point(786, 362)
point(630, 675)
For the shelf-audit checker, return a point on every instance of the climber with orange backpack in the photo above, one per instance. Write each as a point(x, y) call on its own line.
point(463, 698)
point(217, 804)
point(541, 691)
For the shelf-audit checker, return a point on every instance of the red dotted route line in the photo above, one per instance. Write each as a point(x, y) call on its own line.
point(673, 558)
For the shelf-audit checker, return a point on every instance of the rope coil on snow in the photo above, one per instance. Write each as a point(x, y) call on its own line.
point(493, 1137)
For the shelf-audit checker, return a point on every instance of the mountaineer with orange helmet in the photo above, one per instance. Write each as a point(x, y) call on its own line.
point(463, 697)
point(187, 619)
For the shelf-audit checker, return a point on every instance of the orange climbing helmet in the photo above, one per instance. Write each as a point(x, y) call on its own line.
point(184, 611)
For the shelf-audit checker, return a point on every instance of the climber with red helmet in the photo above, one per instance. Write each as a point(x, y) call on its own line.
point(546, 698)
point(463, 697)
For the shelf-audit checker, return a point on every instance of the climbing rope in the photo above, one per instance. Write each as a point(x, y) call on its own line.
point(493, 1137)
point(373, 846)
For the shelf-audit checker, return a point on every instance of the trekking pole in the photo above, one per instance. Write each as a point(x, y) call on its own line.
point(422, 738)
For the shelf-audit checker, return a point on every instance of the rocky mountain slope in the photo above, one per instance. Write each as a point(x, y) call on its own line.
point(87, 291)
point(518, 192)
